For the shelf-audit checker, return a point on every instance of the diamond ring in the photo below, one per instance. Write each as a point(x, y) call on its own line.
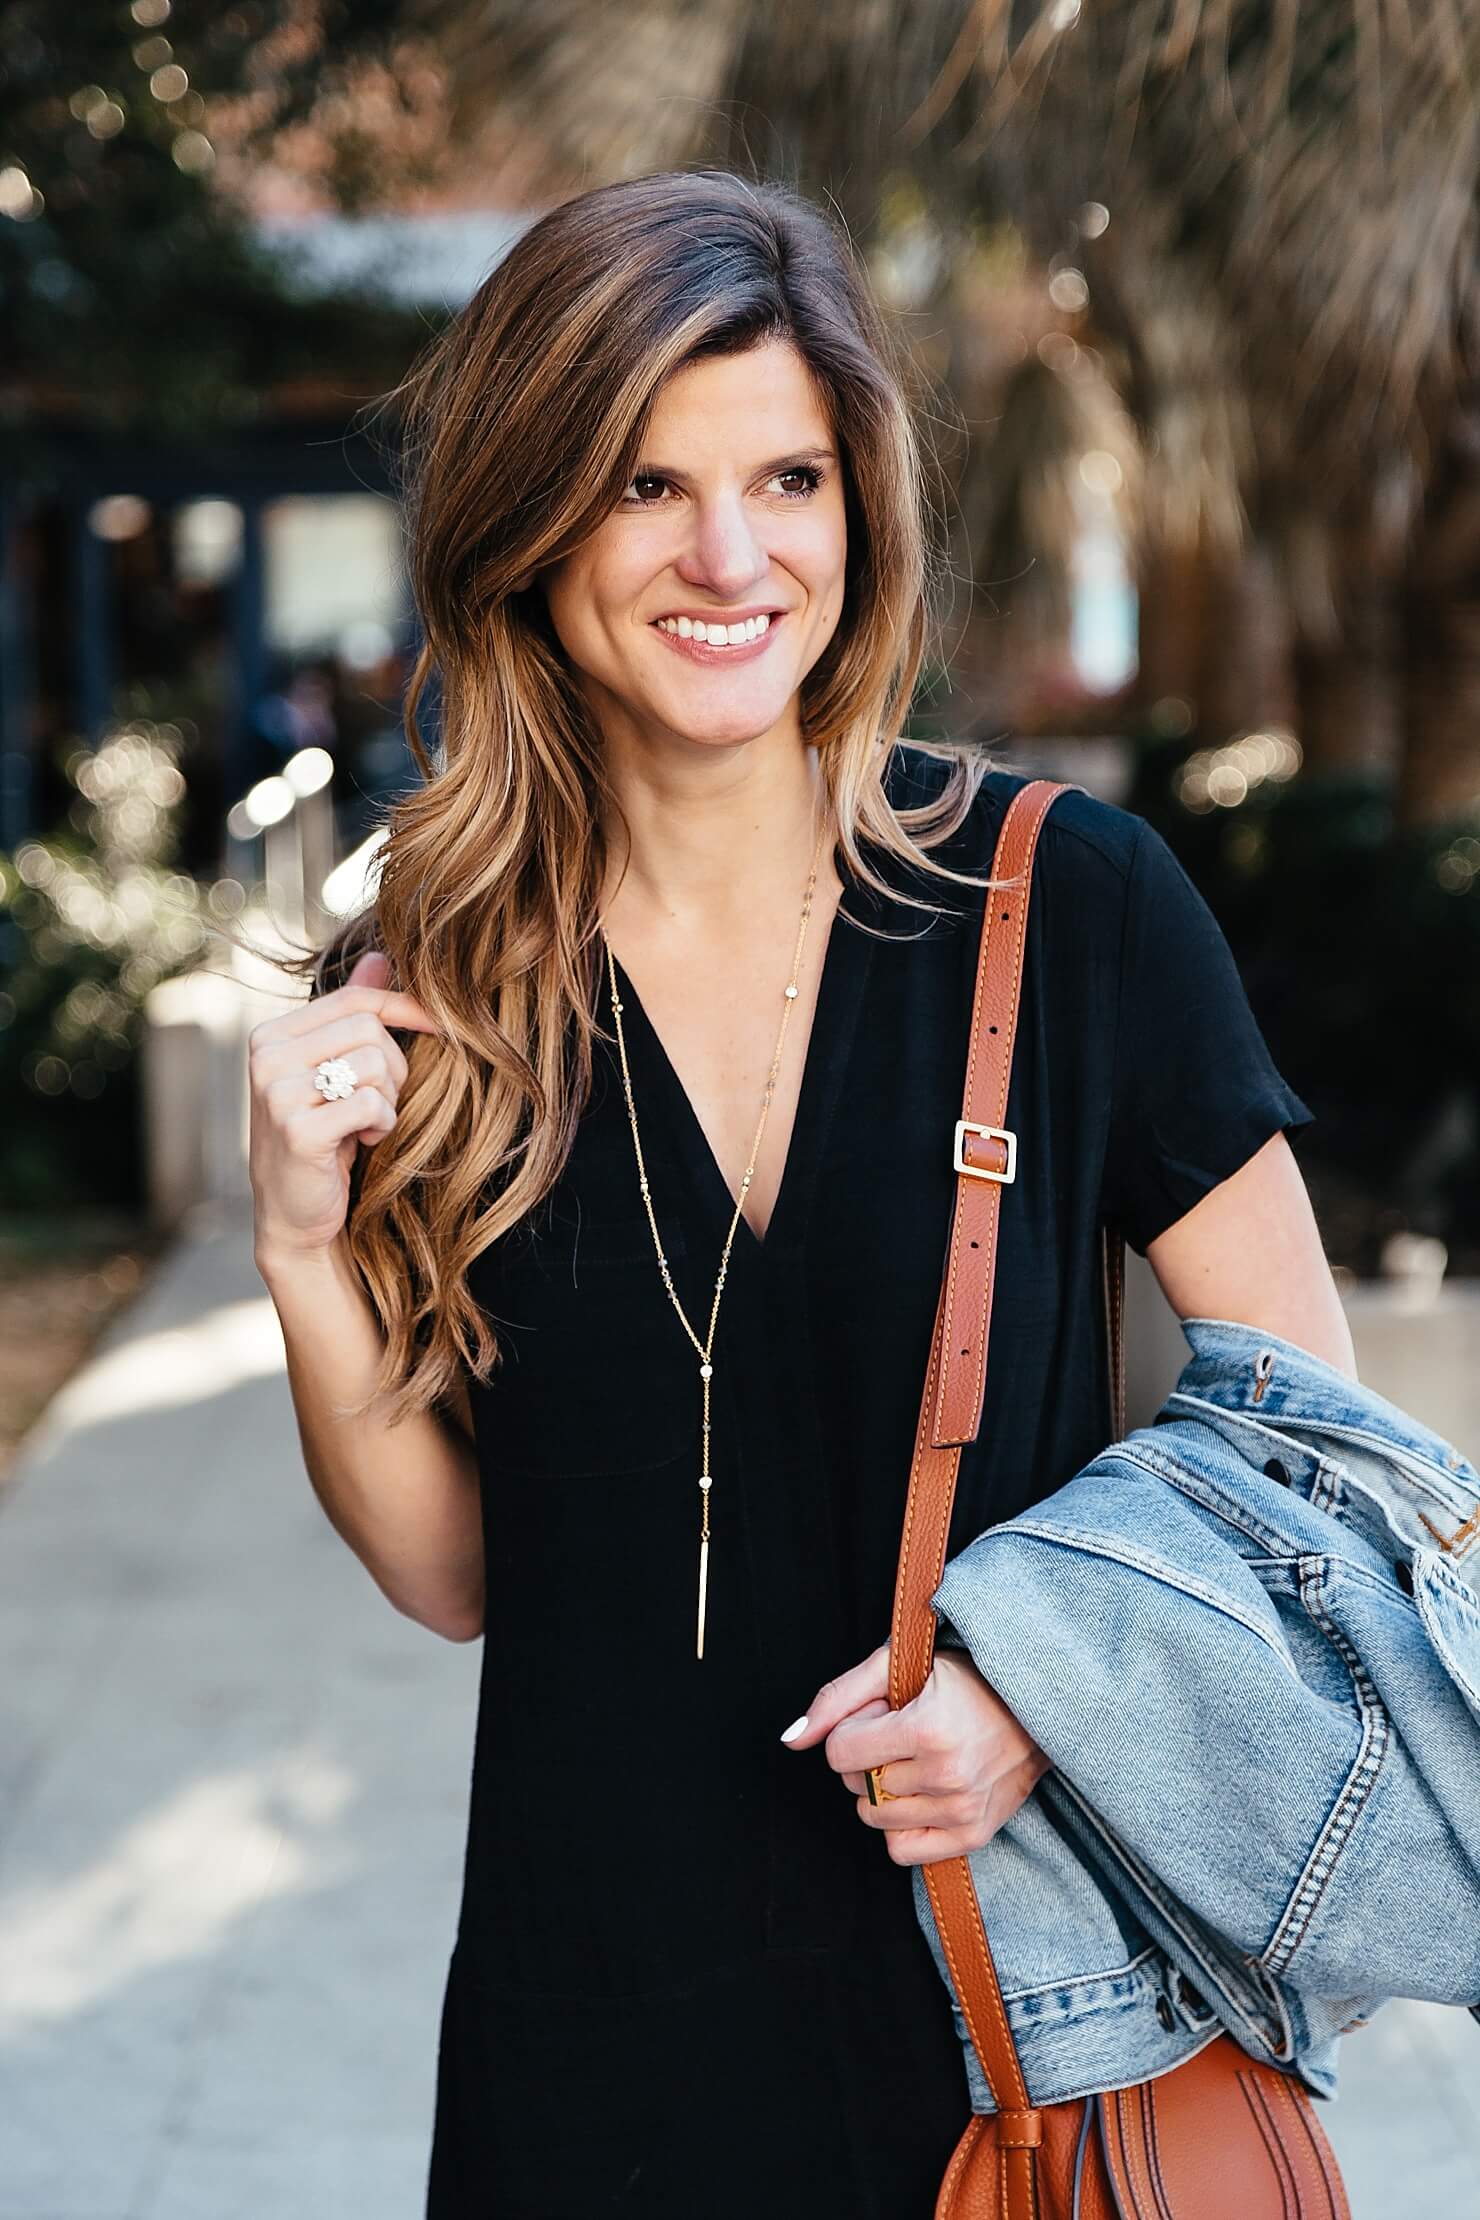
point(335, 1079)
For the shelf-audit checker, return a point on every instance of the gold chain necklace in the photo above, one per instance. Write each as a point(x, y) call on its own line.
point(706, 1347)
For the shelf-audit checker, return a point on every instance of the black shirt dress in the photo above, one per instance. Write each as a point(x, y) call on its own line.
point(688, 1982)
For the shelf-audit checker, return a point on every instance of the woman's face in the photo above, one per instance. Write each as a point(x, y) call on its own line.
point(735, 519)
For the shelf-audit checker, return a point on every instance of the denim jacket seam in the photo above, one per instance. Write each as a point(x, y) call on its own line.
point(1062, 1986)
point(1282, 1550)
point(1419, 1466)
point(1204, 1411)
point(1330, 1481)
point(1165, 1465)
point(1086, 1544)
point(1443, 1486)
point(1376, 1739)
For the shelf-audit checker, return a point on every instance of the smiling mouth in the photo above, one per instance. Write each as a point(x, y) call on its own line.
point(704, 642)
point(718, 634)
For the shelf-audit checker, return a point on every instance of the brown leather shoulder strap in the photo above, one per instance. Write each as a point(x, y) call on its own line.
point(985, 1157)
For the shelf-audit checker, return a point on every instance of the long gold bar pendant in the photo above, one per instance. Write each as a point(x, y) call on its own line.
point(704, 1487)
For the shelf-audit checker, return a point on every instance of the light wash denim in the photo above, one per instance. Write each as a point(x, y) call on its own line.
point(1248, 1639)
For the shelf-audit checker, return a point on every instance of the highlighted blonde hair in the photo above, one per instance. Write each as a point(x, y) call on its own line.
point(522, 423)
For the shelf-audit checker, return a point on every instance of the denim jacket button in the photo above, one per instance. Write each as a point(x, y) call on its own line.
point(1403, 1574)
point(1194, 1999)
point(1165, 2013)
point(1274, 1470)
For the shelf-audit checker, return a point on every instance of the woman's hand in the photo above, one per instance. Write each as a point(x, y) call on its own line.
point(302, 1147)
point(959, 1763)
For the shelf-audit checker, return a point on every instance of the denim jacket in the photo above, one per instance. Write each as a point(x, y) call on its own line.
point(1247, 1637)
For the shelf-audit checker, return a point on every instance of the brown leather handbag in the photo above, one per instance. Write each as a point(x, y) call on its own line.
point(1223, 2136)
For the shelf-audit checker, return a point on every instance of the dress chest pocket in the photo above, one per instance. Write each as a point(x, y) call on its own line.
point(597, 1375)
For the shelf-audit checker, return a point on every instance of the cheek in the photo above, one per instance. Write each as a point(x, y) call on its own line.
point(819, 556)
point(592, 597)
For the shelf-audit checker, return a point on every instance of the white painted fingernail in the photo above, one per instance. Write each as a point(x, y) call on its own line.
point(798, 1726)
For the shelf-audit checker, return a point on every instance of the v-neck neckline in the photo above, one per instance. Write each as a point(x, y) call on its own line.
point(839, 992)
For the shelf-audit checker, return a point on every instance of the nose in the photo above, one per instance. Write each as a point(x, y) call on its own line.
point(723, 553)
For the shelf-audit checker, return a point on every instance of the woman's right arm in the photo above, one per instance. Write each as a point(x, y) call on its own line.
point(405, 1499)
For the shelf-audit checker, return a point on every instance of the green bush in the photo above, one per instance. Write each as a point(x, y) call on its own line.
point(90, 919)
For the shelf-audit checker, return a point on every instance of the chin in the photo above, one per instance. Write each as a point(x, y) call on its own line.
point(723, 732)
point(724, 724)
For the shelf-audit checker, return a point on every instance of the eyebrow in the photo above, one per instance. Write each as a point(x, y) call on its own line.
point(649, 469)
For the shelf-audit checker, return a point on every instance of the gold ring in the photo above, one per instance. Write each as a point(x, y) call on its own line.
point(873, 1781)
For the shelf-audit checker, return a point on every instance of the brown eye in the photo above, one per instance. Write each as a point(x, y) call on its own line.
point(647, 487)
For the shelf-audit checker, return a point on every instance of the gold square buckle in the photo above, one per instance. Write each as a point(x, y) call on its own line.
point(986, 1133)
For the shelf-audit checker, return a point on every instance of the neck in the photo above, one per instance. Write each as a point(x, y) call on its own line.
point(716, 833)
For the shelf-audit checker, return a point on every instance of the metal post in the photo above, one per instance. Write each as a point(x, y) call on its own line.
point(283, 871)
point(314, 817)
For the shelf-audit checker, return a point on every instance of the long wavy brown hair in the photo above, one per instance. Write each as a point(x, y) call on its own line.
point(518, 428)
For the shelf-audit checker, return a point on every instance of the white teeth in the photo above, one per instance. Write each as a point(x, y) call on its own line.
point(716, 635)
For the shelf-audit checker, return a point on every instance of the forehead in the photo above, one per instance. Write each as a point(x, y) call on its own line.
point(762, 402)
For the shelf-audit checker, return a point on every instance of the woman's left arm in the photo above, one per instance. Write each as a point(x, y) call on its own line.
point(959, 1763)
point(1251, 1250)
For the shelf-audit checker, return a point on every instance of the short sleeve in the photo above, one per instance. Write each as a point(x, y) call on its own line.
point(1195, 1091)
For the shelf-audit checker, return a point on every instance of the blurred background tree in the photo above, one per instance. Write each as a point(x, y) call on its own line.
point(132, 290)
point(1211, 264)
point(1199, 278)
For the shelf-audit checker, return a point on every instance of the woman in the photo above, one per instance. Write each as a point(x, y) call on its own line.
point(652, 1220)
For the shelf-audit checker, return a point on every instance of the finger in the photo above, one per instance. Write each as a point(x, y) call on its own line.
point(359, 1030)
point(926, 1845)
point(898, 1813)
point(907, 1776)
point(295, 1090)
point(366, 1112)
point(878, 1709)
point(371, 969)
point(391, 1007)
point(834, 1700)
point(878, 1736)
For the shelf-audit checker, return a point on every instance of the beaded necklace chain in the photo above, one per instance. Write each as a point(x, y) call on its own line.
point(705, 1347)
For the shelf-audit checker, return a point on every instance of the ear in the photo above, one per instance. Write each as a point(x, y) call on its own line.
point(522, 585)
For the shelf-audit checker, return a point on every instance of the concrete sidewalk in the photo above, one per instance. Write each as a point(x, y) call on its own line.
point(233, 1783)
point(233, 1786)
